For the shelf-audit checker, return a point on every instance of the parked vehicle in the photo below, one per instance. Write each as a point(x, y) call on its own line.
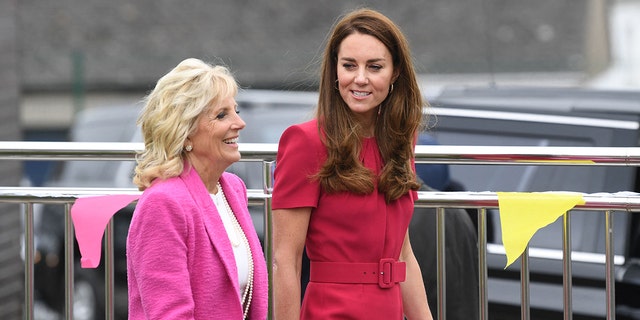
point(552, 117)
point(109, 124)
point(501, 117)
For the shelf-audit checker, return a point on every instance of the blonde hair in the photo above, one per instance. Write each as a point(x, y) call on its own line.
point(170, 114)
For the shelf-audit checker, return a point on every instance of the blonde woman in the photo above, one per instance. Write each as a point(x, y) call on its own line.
point(192, 250)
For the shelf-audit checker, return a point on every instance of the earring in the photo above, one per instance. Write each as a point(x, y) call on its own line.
point(336, 85)
point(188, 148)
point(391, 89)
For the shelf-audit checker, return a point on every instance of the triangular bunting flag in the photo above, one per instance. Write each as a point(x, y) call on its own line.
point(523, 214)
point(90, 216)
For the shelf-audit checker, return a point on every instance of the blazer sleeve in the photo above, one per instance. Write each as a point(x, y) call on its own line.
point(157, 256)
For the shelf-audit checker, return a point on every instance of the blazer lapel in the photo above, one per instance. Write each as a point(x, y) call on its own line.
point(213, 223)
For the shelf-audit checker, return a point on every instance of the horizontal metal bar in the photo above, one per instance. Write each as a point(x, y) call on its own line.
point(45, 150)
point(502, 155)
point(528, 155)
point(101, 151)
point(621, 201)
point(56, 195)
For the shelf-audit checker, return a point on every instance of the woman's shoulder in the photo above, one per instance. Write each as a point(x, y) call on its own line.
point(166, 189)
point(307, 126)
point(301, 146)
point(307, 131)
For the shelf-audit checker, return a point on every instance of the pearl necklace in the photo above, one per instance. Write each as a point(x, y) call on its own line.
point(248, 289)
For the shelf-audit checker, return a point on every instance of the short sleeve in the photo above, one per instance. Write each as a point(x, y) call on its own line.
point(300, 155)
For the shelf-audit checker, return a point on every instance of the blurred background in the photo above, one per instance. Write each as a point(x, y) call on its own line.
point(60, 57)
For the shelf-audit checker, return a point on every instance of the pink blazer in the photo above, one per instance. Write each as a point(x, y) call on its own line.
point(180, 262)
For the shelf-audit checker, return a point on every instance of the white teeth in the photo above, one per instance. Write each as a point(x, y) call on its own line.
point(230, 141)
point(360, 93)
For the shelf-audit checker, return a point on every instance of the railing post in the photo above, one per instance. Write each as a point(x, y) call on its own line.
point(442, 264)
point(68, 262)
point(28, 261)
point(483, 291)
point(268, 167)
point(524, 286)
point(567, 283)
point(609, 266)
point(109, 271)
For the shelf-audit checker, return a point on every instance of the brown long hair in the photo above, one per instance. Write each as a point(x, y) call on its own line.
point(397, 124)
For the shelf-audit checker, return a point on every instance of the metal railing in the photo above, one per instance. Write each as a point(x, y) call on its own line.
point(266, 154)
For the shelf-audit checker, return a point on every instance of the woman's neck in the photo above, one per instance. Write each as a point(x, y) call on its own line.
point(208, 174)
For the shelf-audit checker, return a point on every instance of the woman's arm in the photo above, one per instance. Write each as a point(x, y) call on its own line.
point(289, 234)
point(414, 296)
point(157, 258)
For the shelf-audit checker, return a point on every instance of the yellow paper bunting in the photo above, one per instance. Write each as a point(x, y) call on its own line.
point(523, 214)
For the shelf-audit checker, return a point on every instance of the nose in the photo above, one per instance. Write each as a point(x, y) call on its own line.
point(361, 77)
point(239, 124)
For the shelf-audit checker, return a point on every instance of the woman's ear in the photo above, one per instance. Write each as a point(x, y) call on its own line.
point(396, 75)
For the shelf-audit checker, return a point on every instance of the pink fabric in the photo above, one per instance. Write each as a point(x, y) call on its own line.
point(179, 259)
point(90, 216)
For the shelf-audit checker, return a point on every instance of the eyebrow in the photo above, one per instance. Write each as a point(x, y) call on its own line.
point(223, 107)
point(368, 61)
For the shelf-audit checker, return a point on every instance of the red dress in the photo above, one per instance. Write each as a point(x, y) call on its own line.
point(343, 227)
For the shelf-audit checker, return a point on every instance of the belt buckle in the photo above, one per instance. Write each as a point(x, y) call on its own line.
point(385, 273)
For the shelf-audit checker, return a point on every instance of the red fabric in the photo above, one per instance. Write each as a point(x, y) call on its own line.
point(385, 273)
point(343, 227)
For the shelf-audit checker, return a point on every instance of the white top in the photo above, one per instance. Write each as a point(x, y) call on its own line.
point(239, 248)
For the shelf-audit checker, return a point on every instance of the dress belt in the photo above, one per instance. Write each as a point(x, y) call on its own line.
point(386, 273)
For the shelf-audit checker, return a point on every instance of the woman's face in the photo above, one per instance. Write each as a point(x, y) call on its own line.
point(365, 72)
point(215, 143)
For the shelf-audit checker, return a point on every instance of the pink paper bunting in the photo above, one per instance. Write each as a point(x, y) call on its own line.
point(90, 216)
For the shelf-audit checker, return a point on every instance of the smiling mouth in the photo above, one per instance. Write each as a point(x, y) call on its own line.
point(360, 93)
point(231, 141)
